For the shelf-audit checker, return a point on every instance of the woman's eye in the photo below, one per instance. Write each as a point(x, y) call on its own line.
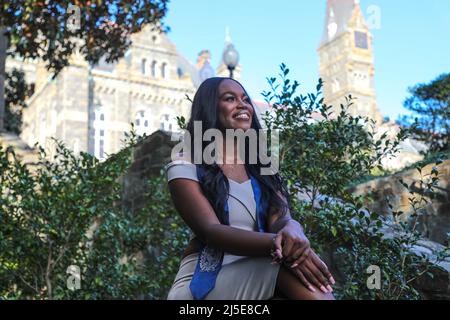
point(228, 99)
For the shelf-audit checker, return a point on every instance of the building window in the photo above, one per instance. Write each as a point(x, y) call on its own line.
point(164, 70)
point(335, 85)
point(142, 120)
point(144, 66)
point(179, 72)
point(154, 69)
point(167, 123)
point(99, 127)
point(102, 150)
point(361, 40)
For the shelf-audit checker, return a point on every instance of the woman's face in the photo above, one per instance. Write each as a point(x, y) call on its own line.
point(235, 109)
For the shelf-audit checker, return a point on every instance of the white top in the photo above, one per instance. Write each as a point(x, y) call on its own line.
point(241, 202)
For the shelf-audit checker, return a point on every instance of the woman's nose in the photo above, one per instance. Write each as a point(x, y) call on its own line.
point(242, 103)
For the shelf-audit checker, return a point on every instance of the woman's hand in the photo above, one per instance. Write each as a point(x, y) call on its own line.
point(314, 271)
point(291, 244)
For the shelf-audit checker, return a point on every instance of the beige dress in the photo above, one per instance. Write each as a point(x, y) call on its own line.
point(241, 277)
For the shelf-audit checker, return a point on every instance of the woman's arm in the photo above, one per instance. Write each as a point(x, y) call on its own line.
point(290, 236)
point(198, 214)
point(277, 221)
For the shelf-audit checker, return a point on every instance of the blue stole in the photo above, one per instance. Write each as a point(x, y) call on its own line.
point(210, 259)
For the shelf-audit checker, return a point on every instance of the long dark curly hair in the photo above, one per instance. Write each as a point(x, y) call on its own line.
point(214, 183)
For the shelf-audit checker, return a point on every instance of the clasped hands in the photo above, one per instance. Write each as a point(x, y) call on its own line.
point(292, 248)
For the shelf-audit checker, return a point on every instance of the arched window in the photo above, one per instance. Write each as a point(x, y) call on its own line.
point(164, 70)
point(144, 67)
point(179, 72)
point(154, 69)
point(335, 85)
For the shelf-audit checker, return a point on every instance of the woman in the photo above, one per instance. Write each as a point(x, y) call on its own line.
point(246, 245)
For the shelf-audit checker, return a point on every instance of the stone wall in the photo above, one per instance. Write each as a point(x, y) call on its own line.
point(149, 157)
point(434, 224)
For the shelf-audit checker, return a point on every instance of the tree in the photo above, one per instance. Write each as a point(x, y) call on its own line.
point(53, 30)
point(431, 102)
point(16, 93)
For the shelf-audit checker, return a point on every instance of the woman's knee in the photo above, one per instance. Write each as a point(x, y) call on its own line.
point(291, 287)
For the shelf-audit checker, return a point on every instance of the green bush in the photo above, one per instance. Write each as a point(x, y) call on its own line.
point(68, 212)
point(321, 158)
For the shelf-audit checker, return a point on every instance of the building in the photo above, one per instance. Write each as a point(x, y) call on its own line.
point(347, 59)
point(90, 108)
point(347, 68)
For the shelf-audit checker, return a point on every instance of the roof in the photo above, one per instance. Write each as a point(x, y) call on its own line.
point(339, 12)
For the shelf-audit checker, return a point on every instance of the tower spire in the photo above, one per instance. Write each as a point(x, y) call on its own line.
point(338, 14)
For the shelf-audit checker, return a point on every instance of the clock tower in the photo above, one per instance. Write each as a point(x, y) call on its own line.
point(346, 59)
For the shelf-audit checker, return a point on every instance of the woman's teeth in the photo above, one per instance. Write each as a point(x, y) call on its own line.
point(243, 116)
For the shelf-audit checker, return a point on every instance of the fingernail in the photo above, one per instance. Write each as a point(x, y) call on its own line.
point(312, 289)
point(323, 289)
point(294, 265)
point(332, 280)
point(329, 288)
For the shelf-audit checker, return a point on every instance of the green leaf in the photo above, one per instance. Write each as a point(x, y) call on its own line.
point(333, 231)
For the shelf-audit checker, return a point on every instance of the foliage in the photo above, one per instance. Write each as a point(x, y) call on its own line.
point(52, 30)
point(320, 156)
point(431, 105)
point(16, 92)
point(68, 211)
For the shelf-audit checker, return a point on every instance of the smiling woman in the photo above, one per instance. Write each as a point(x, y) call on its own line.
point(244, 245)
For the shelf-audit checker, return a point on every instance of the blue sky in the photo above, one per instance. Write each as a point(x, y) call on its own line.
point(411, 46)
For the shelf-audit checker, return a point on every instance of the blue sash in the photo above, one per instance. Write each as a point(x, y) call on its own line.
point(210, 259)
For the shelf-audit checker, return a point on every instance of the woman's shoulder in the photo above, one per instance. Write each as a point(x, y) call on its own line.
point(181, 167)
